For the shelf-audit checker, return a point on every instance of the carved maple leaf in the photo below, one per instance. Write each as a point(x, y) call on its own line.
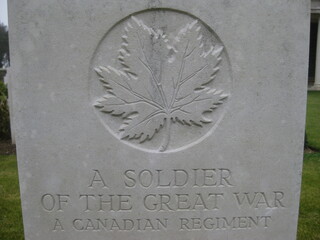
point(163, 80)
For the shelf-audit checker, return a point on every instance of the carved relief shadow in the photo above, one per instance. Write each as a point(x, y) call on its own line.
point(163, 77)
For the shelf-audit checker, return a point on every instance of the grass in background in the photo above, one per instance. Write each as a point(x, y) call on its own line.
point(309, 216)
point(313, 120)
point(10, 207)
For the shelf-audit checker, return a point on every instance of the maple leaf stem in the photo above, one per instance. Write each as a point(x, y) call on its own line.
point(166, 138)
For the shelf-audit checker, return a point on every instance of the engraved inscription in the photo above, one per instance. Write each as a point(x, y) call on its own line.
point(257, 199)
point(160, 79)
point(151, 200)
point(120, 224)
point(243, 222)
point(176, 202)
point(208, 177)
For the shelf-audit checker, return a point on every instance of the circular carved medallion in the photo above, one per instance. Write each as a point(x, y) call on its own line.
point(160, 80)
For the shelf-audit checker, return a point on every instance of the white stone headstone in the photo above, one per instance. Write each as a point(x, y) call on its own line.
point(159, 119)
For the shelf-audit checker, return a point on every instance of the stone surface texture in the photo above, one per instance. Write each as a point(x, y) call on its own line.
point(159, 119)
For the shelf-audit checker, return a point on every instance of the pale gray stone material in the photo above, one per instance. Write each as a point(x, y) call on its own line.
point(159, 119)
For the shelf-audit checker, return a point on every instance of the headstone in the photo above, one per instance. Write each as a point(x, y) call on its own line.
point(159, 119)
